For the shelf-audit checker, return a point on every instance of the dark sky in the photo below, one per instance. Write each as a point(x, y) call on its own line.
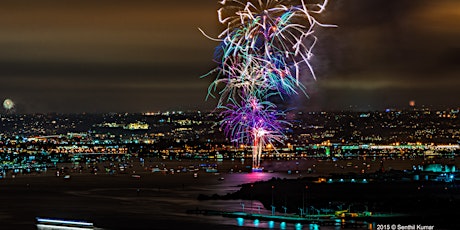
point(139, 56)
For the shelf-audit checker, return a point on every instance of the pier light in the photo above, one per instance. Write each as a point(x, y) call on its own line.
point(298, 226)
point(283, 225)
point(314, 227)
point(240, 221)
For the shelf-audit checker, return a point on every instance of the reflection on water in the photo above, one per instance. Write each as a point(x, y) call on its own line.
point(171, 204)
point(231, 184)
point(245, 223)
point(233, 180)
point(241, 222)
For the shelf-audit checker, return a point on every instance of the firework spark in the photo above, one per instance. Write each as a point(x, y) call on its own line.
point(273, 29)
point(262, 50)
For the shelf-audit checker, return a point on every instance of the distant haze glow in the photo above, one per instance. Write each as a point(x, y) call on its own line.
point(140, 56)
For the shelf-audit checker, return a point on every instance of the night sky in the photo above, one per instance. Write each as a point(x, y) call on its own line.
point(138, 56)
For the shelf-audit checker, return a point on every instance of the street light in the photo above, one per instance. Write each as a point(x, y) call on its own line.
point(250, 192)
point(273, 187)
point(304, 198)
point(273, 207)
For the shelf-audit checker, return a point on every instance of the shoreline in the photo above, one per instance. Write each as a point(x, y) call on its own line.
point(301, 166)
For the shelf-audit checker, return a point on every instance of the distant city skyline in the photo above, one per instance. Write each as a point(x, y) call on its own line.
point(141, 56)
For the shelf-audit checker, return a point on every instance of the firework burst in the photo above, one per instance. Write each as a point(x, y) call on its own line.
point(262, 50)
